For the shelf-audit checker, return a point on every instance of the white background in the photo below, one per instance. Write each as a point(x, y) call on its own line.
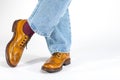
point(95, 50)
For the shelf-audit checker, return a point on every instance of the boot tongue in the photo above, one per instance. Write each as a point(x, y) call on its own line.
point(27, 30)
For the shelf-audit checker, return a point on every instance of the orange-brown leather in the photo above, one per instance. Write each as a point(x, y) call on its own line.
point(16, 46)
point(56, 61)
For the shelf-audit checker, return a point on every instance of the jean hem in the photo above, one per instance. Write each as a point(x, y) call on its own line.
point(36, 31)
point(64, 51)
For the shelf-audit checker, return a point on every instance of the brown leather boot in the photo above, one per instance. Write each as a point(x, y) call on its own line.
point(17, 44)
point(56, 61)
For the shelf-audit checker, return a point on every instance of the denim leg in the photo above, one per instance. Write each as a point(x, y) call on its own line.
point(47, 15)
point(60, 38)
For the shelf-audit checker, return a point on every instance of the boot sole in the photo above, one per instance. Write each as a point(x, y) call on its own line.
point(7, 53)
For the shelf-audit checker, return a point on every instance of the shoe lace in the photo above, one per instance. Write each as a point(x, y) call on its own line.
point(24, 42)
point(57, 55)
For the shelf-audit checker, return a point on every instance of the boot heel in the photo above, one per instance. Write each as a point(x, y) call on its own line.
point(67, 62)
point(14, 25)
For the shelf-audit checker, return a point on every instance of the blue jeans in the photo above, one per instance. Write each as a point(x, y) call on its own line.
point(51, 20)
